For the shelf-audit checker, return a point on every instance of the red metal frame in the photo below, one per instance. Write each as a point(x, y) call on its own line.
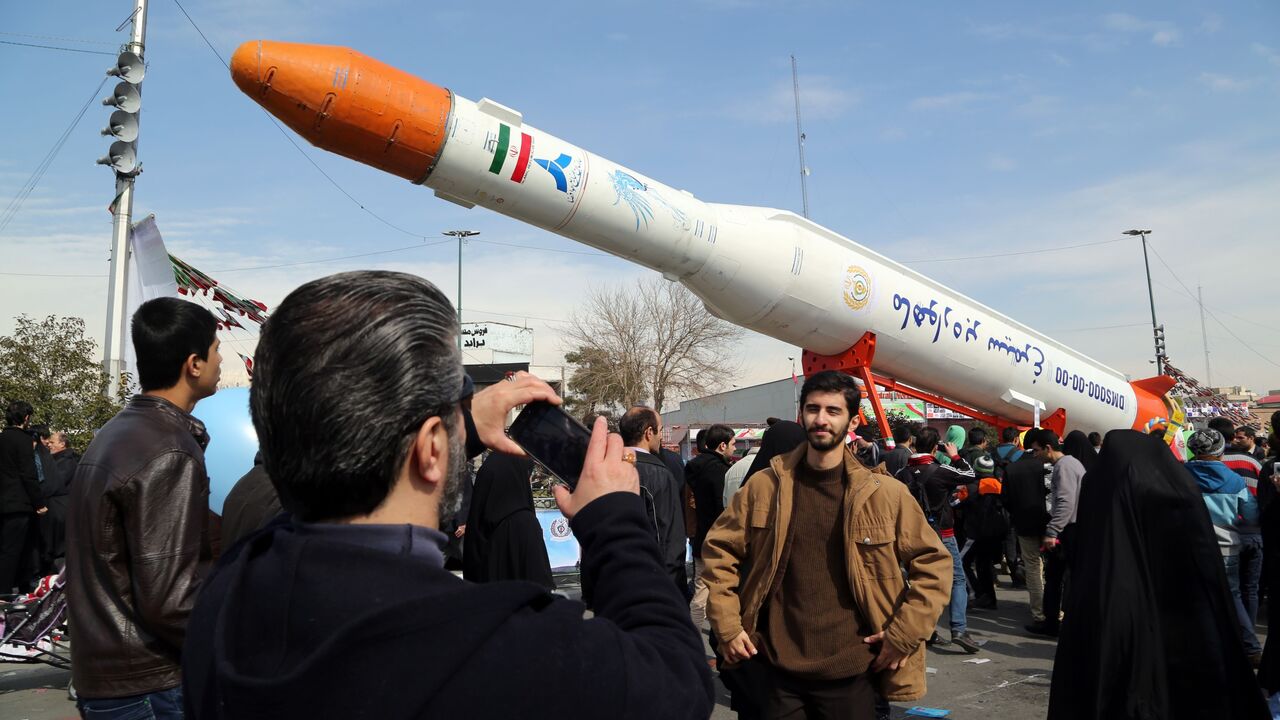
point(856, 361)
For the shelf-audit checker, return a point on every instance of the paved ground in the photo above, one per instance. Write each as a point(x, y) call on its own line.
point(1013, 685)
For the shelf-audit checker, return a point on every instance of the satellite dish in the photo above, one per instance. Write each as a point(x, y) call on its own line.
point(129, 67)
point(126, 97)
point(122, 157)
point(124, 126)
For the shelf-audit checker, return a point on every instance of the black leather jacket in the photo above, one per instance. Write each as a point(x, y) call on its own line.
point(137, 547)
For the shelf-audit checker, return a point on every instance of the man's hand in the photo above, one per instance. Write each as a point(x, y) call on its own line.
point(490, 406)
point(462, 530)
point(889, 657)
point(42, 510)
point(1049, 544)
point(739, 648)
point(950, 449)
point(604, 472)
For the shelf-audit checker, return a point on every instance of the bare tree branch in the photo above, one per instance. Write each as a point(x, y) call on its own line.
point(651, 341)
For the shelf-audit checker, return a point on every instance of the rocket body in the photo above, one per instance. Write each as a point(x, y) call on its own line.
point(764, 269)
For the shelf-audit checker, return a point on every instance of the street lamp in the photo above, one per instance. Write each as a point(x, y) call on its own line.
point(461, 235)
point(1157, 331)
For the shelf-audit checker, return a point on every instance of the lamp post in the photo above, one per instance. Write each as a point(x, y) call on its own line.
point(1156, 330)
point(461, 235)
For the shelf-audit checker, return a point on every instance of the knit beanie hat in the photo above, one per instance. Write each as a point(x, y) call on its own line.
point(984, 466)
point(1206, 442)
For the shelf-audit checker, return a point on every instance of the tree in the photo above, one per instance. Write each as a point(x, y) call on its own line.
point(653, 340)
point(52, 365)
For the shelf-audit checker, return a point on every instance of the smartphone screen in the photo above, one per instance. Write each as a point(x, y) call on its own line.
point(553, 438)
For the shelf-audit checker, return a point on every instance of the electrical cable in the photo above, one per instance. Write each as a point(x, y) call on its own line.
point(1208, 311)
point(1010, 254)
point(55, 47)
point(294, 143)
point(11, 210)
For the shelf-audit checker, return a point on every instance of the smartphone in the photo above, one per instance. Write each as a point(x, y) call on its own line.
point(553, 438)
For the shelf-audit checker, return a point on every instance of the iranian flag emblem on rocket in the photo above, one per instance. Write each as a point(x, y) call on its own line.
point(504, 151)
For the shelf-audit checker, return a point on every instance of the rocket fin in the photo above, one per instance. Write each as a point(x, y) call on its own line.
point(455, 200)
point(1158, 385)
point(500, 111)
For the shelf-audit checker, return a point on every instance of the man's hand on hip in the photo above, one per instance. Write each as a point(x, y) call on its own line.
point(604, 472)
point(889, 657)
point(739, 648)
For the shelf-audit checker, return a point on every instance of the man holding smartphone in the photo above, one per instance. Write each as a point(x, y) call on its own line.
point(356, 400)
point(805, 572)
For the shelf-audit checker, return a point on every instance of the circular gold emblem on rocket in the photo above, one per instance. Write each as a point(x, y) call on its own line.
point(857, 288)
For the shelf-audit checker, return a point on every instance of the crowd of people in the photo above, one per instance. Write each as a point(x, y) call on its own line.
point(37, 466)
point(824, 561)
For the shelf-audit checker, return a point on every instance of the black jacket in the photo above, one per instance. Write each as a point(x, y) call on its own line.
point(252, 503)
point(662, 494)
point(19, 486)
point(933, 486)
point(390, 636)
point(66, 462)
point(504, 539)
point(705, 475)
point(1024, 493)
point(137, 545)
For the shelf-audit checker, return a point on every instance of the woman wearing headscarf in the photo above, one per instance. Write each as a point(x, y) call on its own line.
point(1077, 445)
point(504, 539)
point(781, 438)
point(1150, 629)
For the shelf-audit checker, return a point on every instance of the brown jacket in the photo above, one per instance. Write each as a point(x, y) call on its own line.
point(137, 545)
point(884, 529)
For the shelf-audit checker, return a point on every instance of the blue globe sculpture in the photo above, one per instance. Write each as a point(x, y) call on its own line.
point(232, 441)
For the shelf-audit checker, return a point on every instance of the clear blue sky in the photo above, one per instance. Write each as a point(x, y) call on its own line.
point(933, 132)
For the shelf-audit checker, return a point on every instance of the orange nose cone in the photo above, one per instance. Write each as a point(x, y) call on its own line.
point(348, 103)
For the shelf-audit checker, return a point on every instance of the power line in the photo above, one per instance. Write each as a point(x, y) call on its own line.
point(1010, 254)
point(1104, 327)
point(1230, 332)
point(11, 210)
point(294, 143)
point(60, 38)
point(56, 47)
point(545, 249)
point(332, 259)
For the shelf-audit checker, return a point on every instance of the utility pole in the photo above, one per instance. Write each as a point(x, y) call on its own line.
point(122, 158)
point(1204, 335)
point(804, 169)
point(795, 387)
point(1156, 330)
point(462, 235)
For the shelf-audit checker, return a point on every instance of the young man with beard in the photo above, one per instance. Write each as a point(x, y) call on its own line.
point(804, 571)
point(342, 608)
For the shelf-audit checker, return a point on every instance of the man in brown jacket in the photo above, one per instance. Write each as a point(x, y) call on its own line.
point(804, 571)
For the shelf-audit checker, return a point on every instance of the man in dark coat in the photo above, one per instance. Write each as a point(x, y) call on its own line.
point(705, 476)
point(251, 504)
point(504, 539)
point(1025, 493)
point(54, 483)
point(1149, 628)
point(21, 500)
point(344, 609)
point(641, 431)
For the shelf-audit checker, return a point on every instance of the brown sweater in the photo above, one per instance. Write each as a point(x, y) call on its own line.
point(811, 626)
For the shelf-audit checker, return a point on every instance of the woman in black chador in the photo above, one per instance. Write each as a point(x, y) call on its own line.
point(504, 539)
point(1150, 630)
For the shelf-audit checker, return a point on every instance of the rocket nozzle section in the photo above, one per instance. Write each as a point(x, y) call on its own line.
point(348, 103)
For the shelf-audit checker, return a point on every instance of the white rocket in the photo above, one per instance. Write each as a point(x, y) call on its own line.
point(764, 269)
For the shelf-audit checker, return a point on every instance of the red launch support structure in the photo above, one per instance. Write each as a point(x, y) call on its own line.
point(856, 361)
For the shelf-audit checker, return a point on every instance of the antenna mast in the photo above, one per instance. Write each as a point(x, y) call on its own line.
point(804, 170)
point(1204, 335)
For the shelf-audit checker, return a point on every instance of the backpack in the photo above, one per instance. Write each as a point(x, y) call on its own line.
point(914, 478)
point(1001, 461)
